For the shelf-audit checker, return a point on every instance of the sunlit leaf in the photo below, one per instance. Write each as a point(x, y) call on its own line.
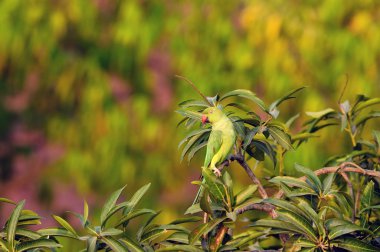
point(281, 137)
point(245, 94)
point(37, 244)
point(12, 223)
point(110, 203)
point(65, 224)
point(203, 229)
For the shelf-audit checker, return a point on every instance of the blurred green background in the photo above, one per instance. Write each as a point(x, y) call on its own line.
point(88, 93)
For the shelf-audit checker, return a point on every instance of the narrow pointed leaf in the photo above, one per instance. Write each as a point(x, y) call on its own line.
point(216, 188)
point(12, 223)
point(203, 229)
point(110, 203)
point(136, 198)
point(28, 233)
point(320, 114)
point(245, 94)
point(114, 244)
point(300, 222)
point(61, 232)
point(184, 248)
point(281, 137)
point(245, 194)
point(313, 179)
point(132, 245)
point(345, 229)
point(91, 244)
point(65, 224)
point(284, 98)
point(354, 245)
point(37, 244)
point(291, 181)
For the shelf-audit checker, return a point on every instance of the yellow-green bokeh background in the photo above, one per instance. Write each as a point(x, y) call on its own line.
point(95, 79)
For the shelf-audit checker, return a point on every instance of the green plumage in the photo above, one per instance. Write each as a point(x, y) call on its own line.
point(221, 141)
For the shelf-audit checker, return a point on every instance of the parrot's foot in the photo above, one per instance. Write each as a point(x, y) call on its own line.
point(216, 172)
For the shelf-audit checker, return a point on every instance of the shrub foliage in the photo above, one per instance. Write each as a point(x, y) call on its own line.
point(334, 208)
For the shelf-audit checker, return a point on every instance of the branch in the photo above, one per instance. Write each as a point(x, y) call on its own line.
point(257, 206)
point(240, 159)
point(341, 169)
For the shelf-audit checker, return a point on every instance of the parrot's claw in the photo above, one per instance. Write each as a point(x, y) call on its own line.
point(216, 172)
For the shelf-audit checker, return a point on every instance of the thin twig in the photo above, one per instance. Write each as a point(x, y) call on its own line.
point(194, 87)
point(344, 89)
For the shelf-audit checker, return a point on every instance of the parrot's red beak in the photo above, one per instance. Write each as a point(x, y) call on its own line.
point(204, 119)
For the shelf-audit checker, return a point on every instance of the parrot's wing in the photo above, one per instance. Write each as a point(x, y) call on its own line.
point(213, 145)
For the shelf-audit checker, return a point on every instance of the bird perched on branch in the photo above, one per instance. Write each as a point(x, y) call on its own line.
point(221, 141)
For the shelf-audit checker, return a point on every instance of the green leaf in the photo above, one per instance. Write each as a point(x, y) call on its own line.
point(249, 136)
point(286, 205)
point(194, 150)
point(136, 198)
point(37, 244)
point(57, 232)
point(194, 141)
point(65, 224)
point(179, 238)
point(203, 229)
point(376, 136)
point(278, 224)
point(110, 203)
point(12, 223)
point(345, 229)
point(284, 98)
point(266, 148)
point(5, 200)
point(152, 234)
point(190, 114)
point(132, 245)
point(312, 180)
point(281, 137)
point(291, 120)
point(114, 244)
point(366, 104)
point(215, 187)
point(312, 215)
point(320, 114)
point(327, 183)
point(367, 195)
point(135, 214)
point(111, 232)
point(245, 194)
point(91, 244)
point(28, 233)
point(204, 202)
point(85, 213)
point(193, 133)
point(300, 222)
point(354, 245)
point(291, 181)
point(193, 103)
point(368, 208)
point(184, 248)
point(143, 227)
point(186, 220)
point(361, 120)
point(245, 94)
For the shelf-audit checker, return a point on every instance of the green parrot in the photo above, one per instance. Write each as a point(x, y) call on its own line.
point(221, 141)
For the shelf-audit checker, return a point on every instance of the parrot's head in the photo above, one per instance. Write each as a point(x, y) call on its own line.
point(211, 115)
